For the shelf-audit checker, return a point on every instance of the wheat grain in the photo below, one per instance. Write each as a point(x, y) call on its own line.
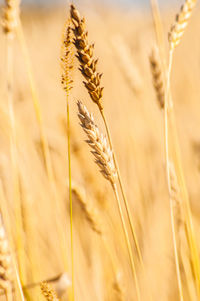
point(86, 59)
point(157, 76)
point(97, 141)
point(178, 28)
point(48, 292)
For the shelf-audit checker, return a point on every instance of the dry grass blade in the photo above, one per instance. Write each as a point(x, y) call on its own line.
point(157, 76)
point(48, 292)
point(178, 29)
point(98, 143)
point(85, 57)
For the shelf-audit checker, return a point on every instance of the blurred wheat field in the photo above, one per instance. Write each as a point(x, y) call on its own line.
point(137, 129)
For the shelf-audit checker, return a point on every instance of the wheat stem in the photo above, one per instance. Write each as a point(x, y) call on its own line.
point(114, 186)
point(122, 189)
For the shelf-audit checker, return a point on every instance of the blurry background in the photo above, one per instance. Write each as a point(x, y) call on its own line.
point(120, 29)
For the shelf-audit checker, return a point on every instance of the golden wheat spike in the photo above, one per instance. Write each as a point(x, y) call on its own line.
point(48, 291)
point(10, 16)
point(178, 28)
point(98, 143)
point(67, 55)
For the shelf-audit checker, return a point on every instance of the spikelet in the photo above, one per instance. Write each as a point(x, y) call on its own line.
point(48, 292)
point(157, 76)
point(10, 16)
point(86, 59)
point(96, 140)
point(6, 267)
point(67, 57)
point(178, 28)
point(89, 212)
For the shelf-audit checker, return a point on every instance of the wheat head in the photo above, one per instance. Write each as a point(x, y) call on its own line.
point(67, 63)
point(48, 292)
point(98, 143)
point(10, 16)
point(181, 22)
point(86, 59)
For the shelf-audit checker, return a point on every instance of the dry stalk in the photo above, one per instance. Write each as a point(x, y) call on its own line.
point(10, 25)
point(175, 218)
point(87, 210)
point(171, 141)
point(93, 85)
point(157, 76)
point(48, 291)
point(67, 64)
point(104, 159)
point(118, 289)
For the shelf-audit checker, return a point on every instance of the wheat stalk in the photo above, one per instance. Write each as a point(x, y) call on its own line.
point(104, 159)
point(48, 291)
point(157, 76)
point(172, 142)
point(88, 66)
point(67, 57)
point(181, 22)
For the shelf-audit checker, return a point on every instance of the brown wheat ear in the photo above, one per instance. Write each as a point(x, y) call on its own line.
point(10, 16)
point(98, 143)
point(178, 28)
point(86, 59)
point(157, 76)
point(48, 292)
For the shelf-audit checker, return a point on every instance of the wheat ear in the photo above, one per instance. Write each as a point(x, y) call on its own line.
point(67, 56)
point(48, 292)
point(104, 159)
point(181, 22)
point(157, 76)
point(88, 66)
